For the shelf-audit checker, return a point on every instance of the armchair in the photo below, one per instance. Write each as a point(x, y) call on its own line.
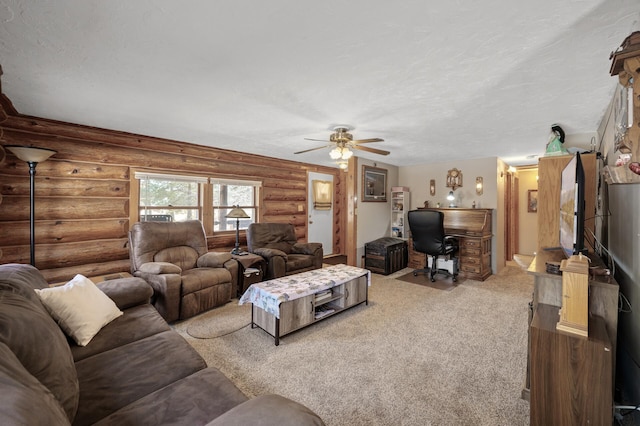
point(427, 233)
point(173, 258)
point(278, 245)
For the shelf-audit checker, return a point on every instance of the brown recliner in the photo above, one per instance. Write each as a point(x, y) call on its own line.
point(174, 259)
point(278, 245)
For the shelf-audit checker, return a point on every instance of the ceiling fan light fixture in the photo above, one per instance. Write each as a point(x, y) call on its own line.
point(343, 164)
point(346, 153)
point(335, 154)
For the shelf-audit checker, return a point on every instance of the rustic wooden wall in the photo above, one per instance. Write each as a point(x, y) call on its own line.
point(83, 203)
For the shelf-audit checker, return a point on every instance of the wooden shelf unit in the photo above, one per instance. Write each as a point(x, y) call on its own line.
point(472, 227)
point(400, 205)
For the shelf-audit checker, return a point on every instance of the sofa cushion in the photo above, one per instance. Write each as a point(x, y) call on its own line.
point(183, 256)
point(25, 401)
point(137, 323)
point(25, 326)
point(269, 409)
point(297, 262)
point(199, 278)
point(194, 400)
point(80, 308)
point(116, 378)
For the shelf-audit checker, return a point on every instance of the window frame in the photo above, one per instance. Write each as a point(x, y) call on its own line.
point(206, 185)
point(257, 185)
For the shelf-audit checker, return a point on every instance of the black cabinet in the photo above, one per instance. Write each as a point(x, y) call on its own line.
point(385, 255)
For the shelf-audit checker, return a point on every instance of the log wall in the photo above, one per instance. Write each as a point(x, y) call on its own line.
point(84, 201)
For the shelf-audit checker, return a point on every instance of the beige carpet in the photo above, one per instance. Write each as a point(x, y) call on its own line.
point(218, 322)
point(414, 356)
point(442, 282)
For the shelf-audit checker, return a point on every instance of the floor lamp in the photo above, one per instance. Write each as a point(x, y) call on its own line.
point(32, 155)
point(237, 213)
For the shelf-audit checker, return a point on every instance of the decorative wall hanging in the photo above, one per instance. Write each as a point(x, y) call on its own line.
point(322, 194)
point(454, 179)
point(374, 184)
point(532, 201)
point(432, 187)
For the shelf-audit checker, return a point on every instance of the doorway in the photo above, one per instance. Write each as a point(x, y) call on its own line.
point(320, 221)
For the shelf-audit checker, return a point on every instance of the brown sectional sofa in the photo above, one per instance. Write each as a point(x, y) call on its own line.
point(135, 371)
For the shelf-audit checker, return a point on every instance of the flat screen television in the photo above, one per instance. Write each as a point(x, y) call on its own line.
point(572, 208)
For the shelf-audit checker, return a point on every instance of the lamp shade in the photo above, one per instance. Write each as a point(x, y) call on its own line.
point(451, 197)
point(30, 154)
point(237, 213)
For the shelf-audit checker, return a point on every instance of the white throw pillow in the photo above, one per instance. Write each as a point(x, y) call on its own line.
point(80, 308)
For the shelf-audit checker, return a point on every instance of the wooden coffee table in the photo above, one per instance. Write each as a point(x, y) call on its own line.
point(284, 305)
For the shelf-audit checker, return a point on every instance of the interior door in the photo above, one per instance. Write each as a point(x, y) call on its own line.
point(511, 216)
point(320, 222)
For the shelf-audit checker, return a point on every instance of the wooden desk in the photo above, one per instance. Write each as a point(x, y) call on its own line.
point(472, 227)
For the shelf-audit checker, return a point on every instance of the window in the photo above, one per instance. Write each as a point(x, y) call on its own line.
point(230, 193)
point(169, 198)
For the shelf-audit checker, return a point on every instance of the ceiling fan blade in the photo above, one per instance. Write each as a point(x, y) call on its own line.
point(312, 149)
point(374, 150)
point(317, 140)
point(368, 140)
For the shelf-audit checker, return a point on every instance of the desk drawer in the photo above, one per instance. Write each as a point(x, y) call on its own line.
point(470, 260)
point(465, 251)
point(470, 243)
point(476, 269)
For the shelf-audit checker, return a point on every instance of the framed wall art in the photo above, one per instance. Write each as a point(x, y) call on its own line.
point(532, 201)
point(374, 184)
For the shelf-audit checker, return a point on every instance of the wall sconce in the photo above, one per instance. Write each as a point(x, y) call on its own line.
point(479, 185)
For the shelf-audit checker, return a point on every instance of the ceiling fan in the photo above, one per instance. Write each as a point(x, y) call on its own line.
point(343, 143)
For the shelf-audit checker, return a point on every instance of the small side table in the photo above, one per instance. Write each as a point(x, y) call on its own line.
point(251, 270)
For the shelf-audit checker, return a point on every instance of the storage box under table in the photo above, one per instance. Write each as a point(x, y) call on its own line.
point(385, 255)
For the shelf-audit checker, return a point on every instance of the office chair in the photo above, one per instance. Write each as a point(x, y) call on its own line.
point(427, 232)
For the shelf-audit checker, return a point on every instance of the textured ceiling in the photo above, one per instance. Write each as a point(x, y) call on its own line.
point(438, 80)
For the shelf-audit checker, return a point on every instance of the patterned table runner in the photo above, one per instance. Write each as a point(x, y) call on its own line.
point(269, 294)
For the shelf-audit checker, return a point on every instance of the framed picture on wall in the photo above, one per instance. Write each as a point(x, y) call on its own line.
point(374, 184)
point(532, 201)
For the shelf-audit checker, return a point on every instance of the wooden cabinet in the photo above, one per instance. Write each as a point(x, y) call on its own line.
point(355, 291)
point(296, 314)
point(400, 205)
point(472, 227)
point(558, 359)
point(549, 180)
point(571, 376)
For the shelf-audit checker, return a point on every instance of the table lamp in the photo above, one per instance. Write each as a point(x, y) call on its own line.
point(32, 156)
point(237, 213)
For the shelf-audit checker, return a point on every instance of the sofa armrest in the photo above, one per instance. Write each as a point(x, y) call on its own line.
point(166, 293)
point(268, 253)
point(268, 410)
point(213, 259)
point(127, 292)
point(307, 248)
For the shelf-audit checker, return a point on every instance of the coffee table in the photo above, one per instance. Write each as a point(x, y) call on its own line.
point(284, 305)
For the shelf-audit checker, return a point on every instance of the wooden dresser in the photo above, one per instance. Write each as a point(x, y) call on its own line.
point(473, 229)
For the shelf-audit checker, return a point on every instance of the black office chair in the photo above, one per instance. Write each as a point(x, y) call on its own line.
point(427, 233)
